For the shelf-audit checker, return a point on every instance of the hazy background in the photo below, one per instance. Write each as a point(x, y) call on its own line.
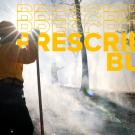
point(66, 112)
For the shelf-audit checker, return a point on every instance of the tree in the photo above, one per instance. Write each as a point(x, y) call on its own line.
point(85, 71)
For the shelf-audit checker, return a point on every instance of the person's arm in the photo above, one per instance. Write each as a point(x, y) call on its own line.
point(26, 55)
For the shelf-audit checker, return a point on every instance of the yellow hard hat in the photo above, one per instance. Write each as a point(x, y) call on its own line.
point(8, 31)
point(6, 28)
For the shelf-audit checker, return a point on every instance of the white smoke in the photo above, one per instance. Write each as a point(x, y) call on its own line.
point(66, 110)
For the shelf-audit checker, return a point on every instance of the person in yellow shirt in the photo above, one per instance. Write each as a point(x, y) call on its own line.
point(14, 115)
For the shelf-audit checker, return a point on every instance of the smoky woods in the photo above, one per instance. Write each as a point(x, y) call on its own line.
point(110, 44)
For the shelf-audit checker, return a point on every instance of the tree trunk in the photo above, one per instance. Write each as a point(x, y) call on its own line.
point(85, 71)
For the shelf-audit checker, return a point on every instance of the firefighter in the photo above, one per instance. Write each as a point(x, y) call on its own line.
point(14, 115)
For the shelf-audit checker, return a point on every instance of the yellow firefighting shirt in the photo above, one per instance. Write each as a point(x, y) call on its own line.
point(12, 58)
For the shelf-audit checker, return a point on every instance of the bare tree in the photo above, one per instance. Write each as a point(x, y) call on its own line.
point(131, 17)
point(85, 72)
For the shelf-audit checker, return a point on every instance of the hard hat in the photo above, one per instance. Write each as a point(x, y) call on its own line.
point(6, 28)
point(8, 31)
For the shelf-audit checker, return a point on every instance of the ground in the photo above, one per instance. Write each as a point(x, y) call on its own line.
point(67, 111)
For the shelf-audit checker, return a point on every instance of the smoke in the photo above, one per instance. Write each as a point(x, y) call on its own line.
point(66, 110)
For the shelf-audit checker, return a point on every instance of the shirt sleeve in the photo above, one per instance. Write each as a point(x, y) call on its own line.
point(26, 55)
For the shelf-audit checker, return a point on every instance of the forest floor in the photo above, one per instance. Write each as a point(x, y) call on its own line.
point(70, 112)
